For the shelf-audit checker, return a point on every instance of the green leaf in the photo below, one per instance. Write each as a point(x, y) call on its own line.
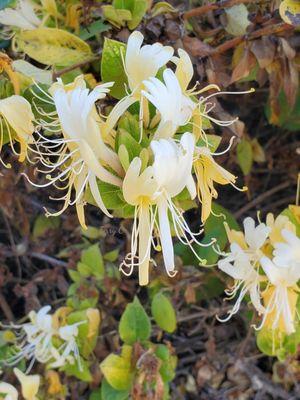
point(117, 369)
point(92, 257)
point(117, 17)
point(52, 46)
point(109, 393)
point(163, 312)
point(6, 88)
point(132, 146)
point(289, 118)
point(42, 224)
point(112, 69)
point(137, 10)
point(245, 156)
point(82, 373)
point(134, 324)
point(95, 28)
point(213, 142)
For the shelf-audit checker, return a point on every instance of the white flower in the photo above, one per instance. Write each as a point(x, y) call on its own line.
point(16, 120)
point(36, 338)
point(83, 157)
point(29, 383)
point(287, 254)
point(68, 351)
point(9, 391)
point(174, 107)
point(152, 192)
point(23, 16)
point(141, 63)
point(238, 265)
point(281, 297)
point(242, 264)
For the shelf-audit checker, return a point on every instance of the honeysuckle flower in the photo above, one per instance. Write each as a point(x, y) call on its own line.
point(29, 384)
point(140, 64)
point(151, 192)
point(68, 351)
point(16, 122)
point(82, 155)
point(174, 107)
point(242, 264)
point(281, 296)
point(238, 265)
point(277, 225)
point(35, 338)
point(8, 391)
point(287, 252)
point(208, 172)
point(23, 16)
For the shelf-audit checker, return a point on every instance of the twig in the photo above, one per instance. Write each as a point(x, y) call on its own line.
point(13, 244)
point(265, 31)
point(259, 199)
point(50, 260)
point(6, 309)
point(196, 12)
point(57, 74)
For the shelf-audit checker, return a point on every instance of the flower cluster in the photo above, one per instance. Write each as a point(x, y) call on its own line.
point(81, 150)
point(264, 262)
point(48, 339)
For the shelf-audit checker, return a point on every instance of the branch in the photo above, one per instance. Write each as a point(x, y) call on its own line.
point(57, 74)
point(196, 12)
point(265, 31)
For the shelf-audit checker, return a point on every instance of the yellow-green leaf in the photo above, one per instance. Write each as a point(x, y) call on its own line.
point(245, 156)
point(112, 69)
point(162, 7)
point(116, 17)
point(163, 313)
point(117, 369)
point(51, 46)
point(289, 11)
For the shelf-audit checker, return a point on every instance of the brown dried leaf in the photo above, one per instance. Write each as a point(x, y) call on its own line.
point(244, 67)
point(195, 47)
point(264, 51)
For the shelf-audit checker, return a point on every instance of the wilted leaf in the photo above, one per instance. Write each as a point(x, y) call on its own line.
point(258, 152)
point(237, 20)
point(134, 324)
point(289, 11)
point(163, 312)
point(264, 50)
point(195, 47)
point(162, 7)
point(117, 369)
point(52, 46)
point(245, 156)
point(42, 224)
point(244, 67)
point(31, 71)
point(112, 69)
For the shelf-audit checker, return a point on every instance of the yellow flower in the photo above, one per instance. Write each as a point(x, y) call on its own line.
point(277, 225)
point(16, 121)
point(29, 384)
point(5, 65)
point(208, 172)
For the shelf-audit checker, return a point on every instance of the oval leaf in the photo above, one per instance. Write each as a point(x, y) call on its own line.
point(163, 313)
point(51, 46)
point(135, 324)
